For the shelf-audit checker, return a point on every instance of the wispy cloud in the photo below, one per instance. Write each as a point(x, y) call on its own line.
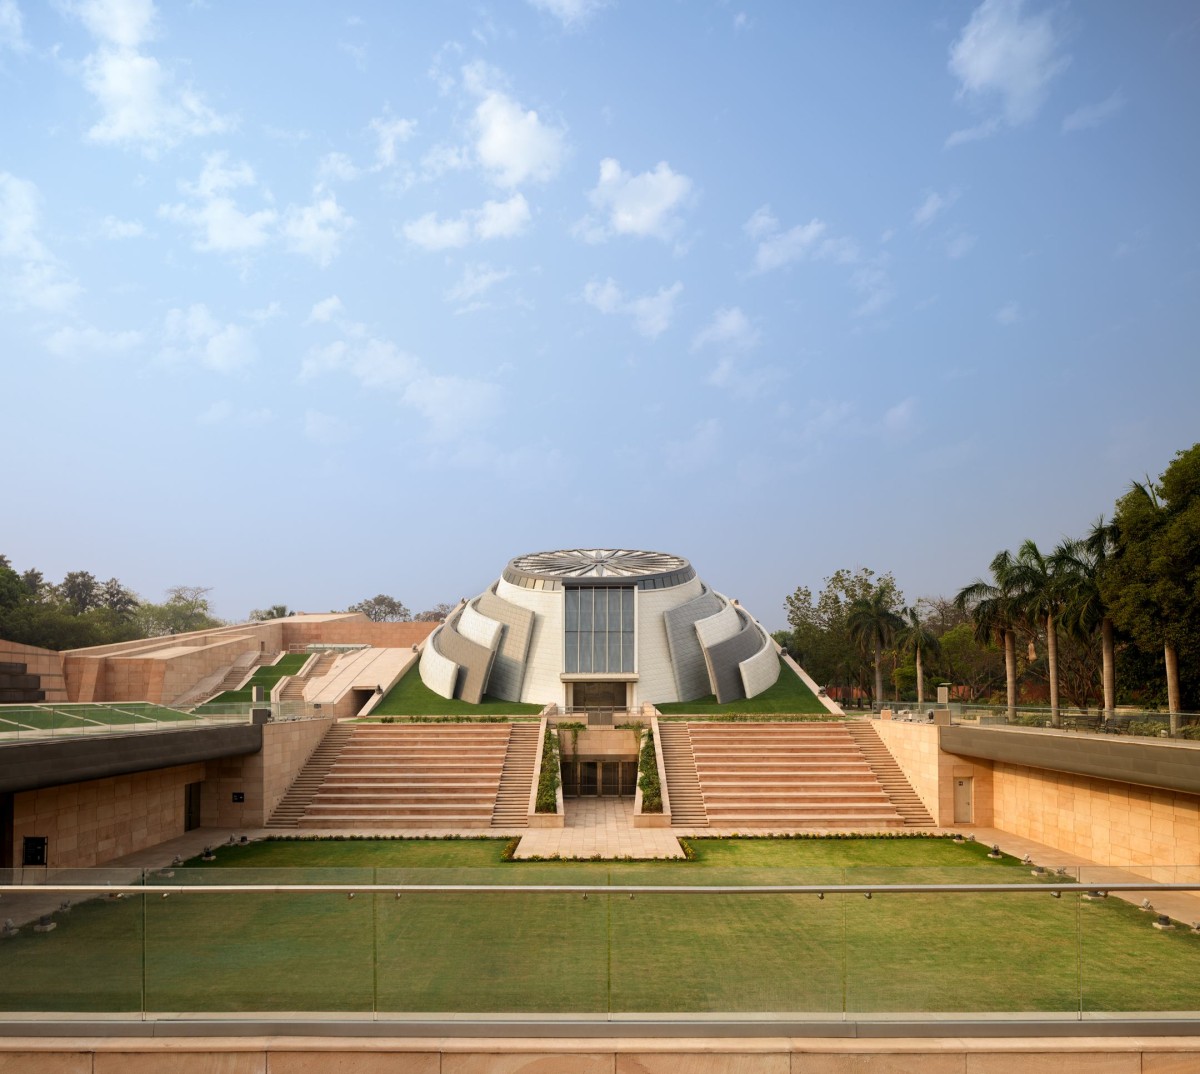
point(651, 314)
point(777, 247)
point(1006, 56)
point(494, 220)
point(31, 276)
point(573, 14)
point(514, 145)
point(1008, 314)
point(1093, 115)
point(195, 335)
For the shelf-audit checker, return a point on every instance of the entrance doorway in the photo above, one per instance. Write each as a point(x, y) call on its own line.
point(599, 695)
point(599, 779)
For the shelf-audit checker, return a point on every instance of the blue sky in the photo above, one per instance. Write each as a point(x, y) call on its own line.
point(306, 302)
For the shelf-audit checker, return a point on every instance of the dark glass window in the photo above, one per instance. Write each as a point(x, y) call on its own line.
point(598, 629)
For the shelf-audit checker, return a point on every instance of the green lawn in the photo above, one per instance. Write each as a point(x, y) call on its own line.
point(501, 951)
point(411, 697)
point(788, 695)
point(266, 677)
point(63, 716)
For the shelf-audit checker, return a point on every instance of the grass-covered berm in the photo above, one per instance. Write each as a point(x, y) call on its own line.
point(492, 951)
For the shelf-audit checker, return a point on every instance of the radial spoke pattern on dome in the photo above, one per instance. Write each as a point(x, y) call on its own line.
point(598, 563)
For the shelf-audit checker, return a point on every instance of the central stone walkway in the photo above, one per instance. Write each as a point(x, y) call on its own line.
point(599, 828)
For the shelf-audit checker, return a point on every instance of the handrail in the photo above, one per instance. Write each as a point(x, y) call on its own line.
point(820, 890)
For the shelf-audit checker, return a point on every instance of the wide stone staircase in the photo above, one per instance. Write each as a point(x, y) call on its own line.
point(440, 776)
point(683, 785)
point(516, 780)
point(787, 775)
point(293, 804)
point(890, 775)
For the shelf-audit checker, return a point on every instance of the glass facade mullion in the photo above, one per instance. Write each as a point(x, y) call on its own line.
point(598, 630)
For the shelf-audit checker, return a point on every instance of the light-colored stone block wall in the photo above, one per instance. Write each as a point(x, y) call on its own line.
point(90, 823)
point(1151, 831)
point(476, 627)
point(932, 772)
point(720, 627)
point(656, 675)
point(263, 777)
point(438, 672)
point(45, 663)
point(542, 684)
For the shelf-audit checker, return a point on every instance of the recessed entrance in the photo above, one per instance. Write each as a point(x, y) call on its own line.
point(599, 779)
point(599, 695)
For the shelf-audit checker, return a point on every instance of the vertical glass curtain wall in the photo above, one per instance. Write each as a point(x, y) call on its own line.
point(599, 633)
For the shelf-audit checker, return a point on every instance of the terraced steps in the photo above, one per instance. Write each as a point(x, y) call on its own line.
point(414, 776)
point(291, 807)
point(890, 775)
point(794, 775)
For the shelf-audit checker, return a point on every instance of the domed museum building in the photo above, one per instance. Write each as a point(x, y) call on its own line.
point(599, 627)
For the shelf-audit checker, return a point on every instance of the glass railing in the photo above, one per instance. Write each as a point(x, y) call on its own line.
point(21, 722)
point(596, 941)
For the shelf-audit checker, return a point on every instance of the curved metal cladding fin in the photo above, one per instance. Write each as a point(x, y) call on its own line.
point(512, 653)
point(725, 657)
point(474, 659)
point(761, 671)
point(713, 630)
point(687, 656)
point(437, 672)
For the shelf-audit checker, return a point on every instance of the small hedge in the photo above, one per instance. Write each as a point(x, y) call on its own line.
point(550, 776)
point(648, 777)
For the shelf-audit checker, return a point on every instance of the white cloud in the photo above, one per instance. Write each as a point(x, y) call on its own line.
point(762, 223)
point(77, 342)
point(219, 224)
point(1092, 115)
point(928, 209)
point(1008, 314)
point(729, 330)
point(1005, 55)
point(325, 310)
point(452, 405)
point(317, 230)
point(514, 145)
point(389, 133)
point(643, 205)
point(12, 33)
point(33, 277)
point(606, 296)
point(571, 13)
point(899, 419)
point(430, 232)
point(337, 166)
point(322, 428)
point(959, 245)
point(651, 314)
point(874, 287)
point(112, 227)
point(222, 411)
point(495, 220)
point(503, 219)
point(194, 334)
point(475, 281)
point(973, 134)
point(140, 102)
point(778, 248)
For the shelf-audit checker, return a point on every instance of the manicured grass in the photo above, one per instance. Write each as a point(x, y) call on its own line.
point(266, 677)
point(505, 951)
point(788, 695)
point(56, 716)
point(411, 697)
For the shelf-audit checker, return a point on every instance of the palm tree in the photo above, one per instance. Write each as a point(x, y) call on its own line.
point(1042, 583)
point(914, 638)
point(994, 611)
point(1086, 612)
point(872, 623)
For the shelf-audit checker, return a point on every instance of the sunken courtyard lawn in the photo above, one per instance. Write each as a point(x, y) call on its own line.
point(266, 677)
point(481, 951)
point(788, 695)
point(411, 697)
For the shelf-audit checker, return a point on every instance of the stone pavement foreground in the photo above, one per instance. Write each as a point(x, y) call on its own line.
point(599, 828)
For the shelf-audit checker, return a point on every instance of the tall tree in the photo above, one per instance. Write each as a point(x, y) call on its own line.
point(275, 611)
point(915, 639)
point(994, 610)
point(1041, 583)
point(79, 591)
point(382, 609)
point(1086, 614)
point(1152, 583)
point(873, 622)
